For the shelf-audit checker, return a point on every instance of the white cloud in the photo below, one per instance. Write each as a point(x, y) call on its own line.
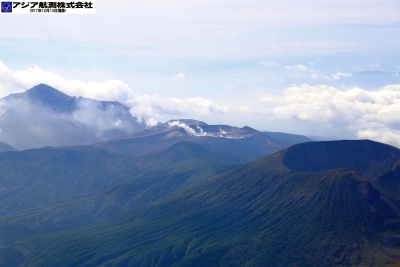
point(158, 106)
point(339, 75)
point(374, 65)
point(90, 114)
point(383, 134)
point(180, 75)
point(26, 125)
point(21, 80)
point(297, 67)
point(144, 106)
point(108, 90)
point(352, 112)
point(8, 84)
point(365, 114)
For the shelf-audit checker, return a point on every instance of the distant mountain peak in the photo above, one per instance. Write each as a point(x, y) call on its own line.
point(45, 116)
point(369, 158)
point(45, 89)
point(52, 98)
point(43, 94)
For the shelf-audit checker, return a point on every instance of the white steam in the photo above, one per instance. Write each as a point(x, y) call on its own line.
point(184, 126)
point(28, 125)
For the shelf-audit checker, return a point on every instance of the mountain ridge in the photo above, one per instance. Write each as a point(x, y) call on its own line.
point(259, 214)
point(48, 96)
point(245, 144)
point(44, 116)
point(318, 156)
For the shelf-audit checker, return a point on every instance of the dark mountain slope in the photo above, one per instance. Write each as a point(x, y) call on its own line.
point(80, 194)
point(369, 158)
point(326, 218)
point(36, 178)
point(158, 176)
point(389, 183)
point(185, 154)
point(341, 221)
point(144, 144)
point(261, 214)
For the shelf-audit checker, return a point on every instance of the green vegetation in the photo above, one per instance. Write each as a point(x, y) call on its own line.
point(183, 207)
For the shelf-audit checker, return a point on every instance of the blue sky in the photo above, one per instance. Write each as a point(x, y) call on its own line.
point(326, 68)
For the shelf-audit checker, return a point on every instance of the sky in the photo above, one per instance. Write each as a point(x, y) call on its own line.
point(319, 68)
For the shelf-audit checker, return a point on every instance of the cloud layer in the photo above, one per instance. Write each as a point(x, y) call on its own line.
point(366, 114)
point(25, 123)
point(325, 110)
point(144, 106)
